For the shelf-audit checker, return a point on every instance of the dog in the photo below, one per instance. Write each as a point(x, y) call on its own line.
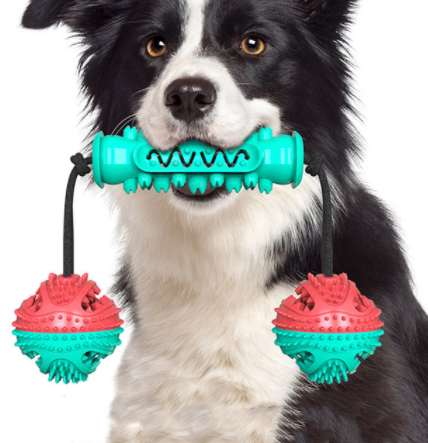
point(203, 273)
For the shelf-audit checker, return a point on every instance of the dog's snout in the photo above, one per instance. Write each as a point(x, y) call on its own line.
point(190, 98)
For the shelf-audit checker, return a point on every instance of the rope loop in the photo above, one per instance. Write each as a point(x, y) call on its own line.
point(80, 164)
point(315, 164)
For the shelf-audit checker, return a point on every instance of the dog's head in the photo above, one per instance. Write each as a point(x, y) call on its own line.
point(212, 70)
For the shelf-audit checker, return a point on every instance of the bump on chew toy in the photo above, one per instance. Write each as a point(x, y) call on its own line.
point(329, 329)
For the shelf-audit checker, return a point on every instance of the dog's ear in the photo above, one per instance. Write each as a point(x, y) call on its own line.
point(43, 13)
point(327, 17)
point(80, 15)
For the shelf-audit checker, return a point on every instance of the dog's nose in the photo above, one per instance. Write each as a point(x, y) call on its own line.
point(190, 98)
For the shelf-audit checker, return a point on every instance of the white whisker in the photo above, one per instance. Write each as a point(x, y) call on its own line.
point(141, 90)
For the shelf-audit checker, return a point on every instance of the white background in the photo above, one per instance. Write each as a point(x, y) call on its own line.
point(41, 128)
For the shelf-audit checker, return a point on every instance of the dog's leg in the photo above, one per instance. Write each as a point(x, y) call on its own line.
point(136, 414)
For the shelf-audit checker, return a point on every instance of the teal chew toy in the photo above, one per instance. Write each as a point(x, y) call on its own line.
point(262, 159)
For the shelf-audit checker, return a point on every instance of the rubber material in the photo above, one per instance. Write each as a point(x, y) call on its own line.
point(67, 304)
point(68, 357)
point(262, 159)
point(68, 326)
point(328, 304)
point(315, 352)
point(329, 329)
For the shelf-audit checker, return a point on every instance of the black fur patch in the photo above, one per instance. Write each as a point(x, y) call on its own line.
point(125, 292)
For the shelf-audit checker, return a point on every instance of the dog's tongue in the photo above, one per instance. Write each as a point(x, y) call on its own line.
point(186, 190)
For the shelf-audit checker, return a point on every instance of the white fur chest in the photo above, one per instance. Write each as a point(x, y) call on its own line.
point(206, 371)
point(202, 365)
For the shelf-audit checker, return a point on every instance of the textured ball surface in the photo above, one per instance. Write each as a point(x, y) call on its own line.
point(68, 327)
point(329, 329)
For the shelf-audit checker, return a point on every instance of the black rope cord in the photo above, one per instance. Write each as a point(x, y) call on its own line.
point(81, 167)
point(315, 168)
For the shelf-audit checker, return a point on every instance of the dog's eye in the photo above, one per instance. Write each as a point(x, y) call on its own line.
point(156, 46)
point(253, 45)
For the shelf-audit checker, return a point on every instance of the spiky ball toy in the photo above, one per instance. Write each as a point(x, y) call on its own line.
point(329, 329)
point(68, 326)
point(65, 323)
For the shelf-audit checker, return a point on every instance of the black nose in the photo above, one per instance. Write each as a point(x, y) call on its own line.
point(190, 98)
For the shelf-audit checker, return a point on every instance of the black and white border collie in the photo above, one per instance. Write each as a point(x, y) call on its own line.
point(203, 273)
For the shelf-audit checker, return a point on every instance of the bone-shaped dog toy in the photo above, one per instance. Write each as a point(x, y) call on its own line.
point(262, 159)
